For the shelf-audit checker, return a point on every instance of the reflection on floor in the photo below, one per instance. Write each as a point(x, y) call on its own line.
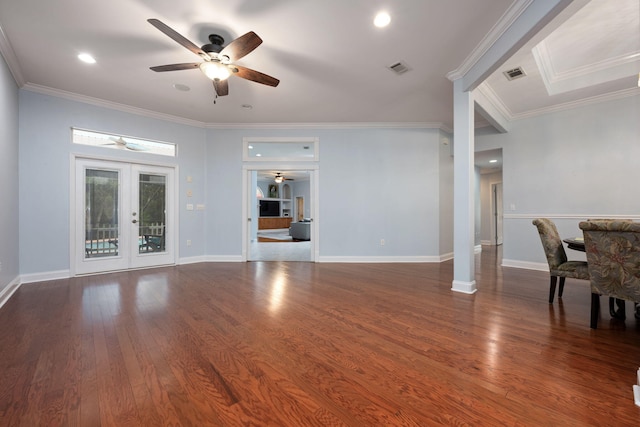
point(280, 251)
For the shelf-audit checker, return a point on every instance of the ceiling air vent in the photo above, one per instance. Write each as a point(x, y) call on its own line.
point(399, 68)
point(514, 73)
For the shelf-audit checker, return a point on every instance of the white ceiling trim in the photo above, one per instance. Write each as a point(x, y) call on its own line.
point(491, 97)
point(11, 59)
point(503, 24)
point(108, 104)
point(154, 115)
point(579, 103)
point(362, 125)
point(592, 74)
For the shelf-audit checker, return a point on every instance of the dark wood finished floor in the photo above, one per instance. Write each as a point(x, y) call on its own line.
point(302, 344)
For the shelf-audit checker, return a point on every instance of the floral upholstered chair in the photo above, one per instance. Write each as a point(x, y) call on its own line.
point(613, 255)
point(559, 266)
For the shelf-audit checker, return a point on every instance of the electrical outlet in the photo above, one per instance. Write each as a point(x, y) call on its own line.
point(382, 242)
point(188, 242)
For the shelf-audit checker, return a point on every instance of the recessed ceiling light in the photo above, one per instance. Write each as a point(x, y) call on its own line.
point(258, 155)
point(181, 87)
point(493, 161)
point(85, 57)
point(382, 19)
point(251, 147)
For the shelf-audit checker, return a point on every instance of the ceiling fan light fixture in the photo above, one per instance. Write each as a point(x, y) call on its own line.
point(214, 70)
point(278, 179)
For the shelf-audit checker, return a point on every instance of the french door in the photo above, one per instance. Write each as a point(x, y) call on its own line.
point(124, 216)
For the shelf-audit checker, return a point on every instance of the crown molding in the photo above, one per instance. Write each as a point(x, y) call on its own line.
point(11, 59)
point(336, 125)
point(586, 75)
point(503, 24)
point(282, 126)
point(109, 104)
point(579, 103)
point(491, 96)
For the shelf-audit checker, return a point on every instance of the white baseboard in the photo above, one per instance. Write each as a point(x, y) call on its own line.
point(224, 258)
point(9, 290)
point(192, 260)
point(464, 287)
point(540, 266)
point(445, 257)
point(42, 277)
point(210, 258)
point(65, 274)
point(378, 259)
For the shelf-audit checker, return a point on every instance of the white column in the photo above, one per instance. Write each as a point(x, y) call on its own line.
point(463, 190)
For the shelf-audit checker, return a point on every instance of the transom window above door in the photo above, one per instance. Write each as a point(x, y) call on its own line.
point(280, 149)
point(119, 142)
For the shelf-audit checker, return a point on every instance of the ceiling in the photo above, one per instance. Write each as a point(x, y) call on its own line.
point(331, 61)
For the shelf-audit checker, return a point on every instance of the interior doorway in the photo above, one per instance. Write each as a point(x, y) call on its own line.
point(280, 214)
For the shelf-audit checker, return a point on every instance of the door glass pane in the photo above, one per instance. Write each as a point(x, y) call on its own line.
point(152, 213)
point(101, 213)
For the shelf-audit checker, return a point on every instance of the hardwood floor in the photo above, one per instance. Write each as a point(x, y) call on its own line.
point(303, 344)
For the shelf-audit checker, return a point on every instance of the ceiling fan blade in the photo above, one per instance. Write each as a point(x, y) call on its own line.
point(118, 141)
point(255, 76)
point(176, 67)
point(135, 147)
point(221, 87)
point(241, 46)
point(178, 38)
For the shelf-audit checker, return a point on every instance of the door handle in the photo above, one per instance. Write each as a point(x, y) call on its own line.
point(134, 221)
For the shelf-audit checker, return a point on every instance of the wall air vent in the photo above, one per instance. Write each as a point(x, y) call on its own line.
point(399, 68)
point(514, 73)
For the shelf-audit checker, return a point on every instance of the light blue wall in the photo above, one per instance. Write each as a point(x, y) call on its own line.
point(9, 242)
point(374, 183)
point(567, 165)
point(45, 158)
point(379, 184)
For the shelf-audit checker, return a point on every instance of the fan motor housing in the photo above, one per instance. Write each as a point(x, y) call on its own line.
point(216, 44)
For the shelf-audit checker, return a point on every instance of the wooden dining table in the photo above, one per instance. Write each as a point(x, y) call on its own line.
point(575, 243)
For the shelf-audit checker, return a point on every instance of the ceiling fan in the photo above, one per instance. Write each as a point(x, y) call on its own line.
point(120, 142)
point(219, 62)
point(279, 178)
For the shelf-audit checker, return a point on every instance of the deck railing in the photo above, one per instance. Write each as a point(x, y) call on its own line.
point(102, 240)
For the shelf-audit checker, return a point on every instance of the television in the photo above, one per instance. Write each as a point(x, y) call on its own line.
point(269, 208)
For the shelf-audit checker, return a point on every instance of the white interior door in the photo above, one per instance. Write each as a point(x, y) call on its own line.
point(124, 216)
